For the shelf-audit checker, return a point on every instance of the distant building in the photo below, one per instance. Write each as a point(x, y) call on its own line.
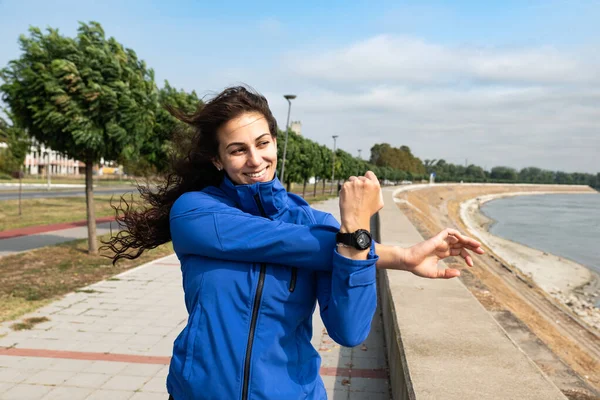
point(296, 126)
point(41, 158)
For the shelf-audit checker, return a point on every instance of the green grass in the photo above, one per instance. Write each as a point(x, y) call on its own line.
point(52, 211)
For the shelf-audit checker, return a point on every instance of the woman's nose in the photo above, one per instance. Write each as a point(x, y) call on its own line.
point(254, 157)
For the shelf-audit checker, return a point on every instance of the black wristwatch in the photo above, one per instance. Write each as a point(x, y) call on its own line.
point(360, 239)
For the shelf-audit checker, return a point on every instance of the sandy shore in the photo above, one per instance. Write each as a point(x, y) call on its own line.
point(572, 284)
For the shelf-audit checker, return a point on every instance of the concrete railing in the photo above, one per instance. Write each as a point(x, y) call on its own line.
point(441, 342)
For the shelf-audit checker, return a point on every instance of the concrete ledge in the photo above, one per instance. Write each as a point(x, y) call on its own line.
point(441, 342)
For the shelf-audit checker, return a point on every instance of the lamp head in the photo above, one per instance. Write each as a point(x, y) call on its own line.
point(290, 96)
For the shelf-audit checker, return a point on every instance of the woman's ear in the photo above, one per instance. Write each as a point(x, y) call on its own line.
point(217, 164)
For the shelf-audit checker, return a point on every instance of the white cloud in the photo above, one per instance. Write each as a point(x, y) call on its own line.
point(404, 59)
point(494, 106)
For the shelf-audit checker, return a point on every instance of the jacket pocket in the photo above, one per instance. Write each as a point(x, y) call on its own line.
point(191, 341)
point(293, 280)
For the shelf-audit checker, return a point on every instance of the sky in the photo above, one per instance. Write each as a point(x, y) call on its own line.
point(512, 83)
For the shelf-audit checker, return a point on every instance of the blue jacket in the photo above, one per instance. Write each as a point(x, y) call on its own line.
point(254, 260)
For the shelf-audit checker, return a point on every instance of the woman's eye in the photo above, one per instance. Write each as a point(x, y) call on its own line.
point(263, 143)
point(237, 151)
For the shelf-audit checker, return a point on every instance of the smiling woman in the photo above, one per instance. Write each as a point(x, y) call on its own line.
point(255, 259)
point(247, 150)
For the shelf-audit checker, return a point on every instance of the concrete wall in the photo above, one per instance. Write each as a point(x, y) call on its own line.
point(441, 342)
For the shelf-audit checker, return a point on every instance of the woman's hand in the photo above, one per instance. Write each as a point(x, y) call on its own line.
point(422, 259)
point(360, 198)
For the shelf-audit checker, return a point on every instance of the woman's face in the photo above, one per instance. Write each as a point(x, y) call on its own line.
point(247, 151)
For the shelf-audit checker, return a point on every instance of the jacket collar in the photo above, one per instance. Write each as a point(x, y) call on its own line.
point(272, 196)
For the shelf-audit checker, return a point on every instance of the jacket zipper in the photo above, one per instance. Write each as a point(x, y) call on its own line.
point(257, 298)
point(294, 277)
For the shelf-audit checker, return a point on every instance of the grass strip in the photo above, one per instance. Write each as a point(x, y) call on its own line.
point(56, 210)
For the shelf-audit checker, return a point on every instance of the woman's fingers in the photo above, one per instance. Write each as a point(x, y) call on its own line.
point(464, 241)
point(465, 254)
point(371, 176)
point(448, 273)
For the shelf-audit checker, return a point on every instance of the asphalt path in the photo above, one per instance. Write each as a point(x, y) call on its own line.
point(35, 241)
point(41, 194)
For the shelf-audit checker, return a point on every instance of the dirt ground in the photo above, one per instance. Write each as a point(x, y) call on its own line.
point(561, 345)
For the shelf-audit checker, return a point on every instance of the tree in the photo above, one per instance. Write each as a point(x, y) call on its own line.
point(155, 152)
point(18, 145)
point(87, 97)
point(504, 174)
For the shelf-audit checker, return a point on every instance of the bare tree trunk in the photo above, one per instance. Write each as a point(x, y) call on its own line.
point(315, 190)
point(324, 185)
point(89, 200)
point(304, 189)
point(20, 188)
point(289, 186)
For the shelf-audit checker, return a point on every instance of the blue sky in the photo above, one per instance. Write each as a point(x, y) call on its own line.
point(511, 83)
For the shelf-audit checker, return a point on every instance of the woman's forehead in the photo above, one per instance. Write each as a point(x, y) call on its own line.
point(246, 126)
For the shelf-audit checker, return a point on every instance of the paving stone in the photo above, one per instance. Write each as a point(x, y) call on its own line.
point(9, 361)
point(158, 385)
point(369, 385)
point(4, 386)
point(70, 393)
point(150, 396)
point(141, 369)
point(26, 392)
point(49, 377)
point(88, 380)
point(110, 395)
point(338, 394)
point(105, 367)
point(60, 364)
point(368, 396)
point(11, 375)
point(125, 382)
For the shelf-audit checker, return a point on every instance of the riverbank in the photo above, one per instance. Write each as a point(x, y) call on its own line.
point(573, 285)
point(552, 336)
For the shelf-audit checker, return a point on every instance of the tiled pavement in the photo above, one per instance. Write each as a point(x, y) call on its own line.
point(113, 339)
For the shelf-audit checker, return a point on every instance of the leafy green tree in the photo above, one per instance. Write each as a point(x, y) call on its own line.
point(18, 145)
point(292, 166)
point(504, 174)
point(87, 97)
point(325, 167)
point(156, 150)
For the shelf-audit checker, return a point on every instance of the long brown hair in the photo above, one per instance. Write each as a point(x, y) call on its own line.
point(195, 146)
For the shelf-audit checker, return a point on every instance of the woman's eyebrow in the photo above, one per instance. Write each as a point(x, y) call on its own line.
point(241, 144)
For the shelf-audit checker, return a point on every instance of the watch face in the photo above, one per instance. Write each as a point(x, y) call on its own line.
point(363, 240)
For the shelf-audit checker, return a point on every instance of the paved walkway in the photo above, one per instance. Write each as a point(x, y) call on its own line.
point(17, 243)
point(113, 340)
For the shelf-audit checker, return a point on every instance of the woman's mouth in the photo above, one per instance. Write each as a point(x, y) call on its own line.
point(257, 175)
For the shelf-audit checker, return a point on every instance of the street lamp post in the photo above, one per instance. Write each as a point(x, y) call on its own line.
point(333, 164)
point(289, 98)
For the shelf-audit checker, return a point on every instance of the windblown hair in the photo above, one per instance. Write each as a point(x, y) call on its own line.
point(196, 146)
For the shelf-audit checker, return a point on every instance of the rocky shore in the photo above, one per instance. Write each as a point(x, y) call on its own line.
point(573, 285)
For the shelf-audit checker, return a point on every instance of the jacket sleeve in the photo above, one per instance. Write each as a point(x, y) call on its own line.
point(347, 295)
point(214, 230)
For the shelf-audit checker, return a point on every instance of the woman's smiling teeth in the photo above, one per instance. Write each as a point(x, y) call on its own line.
point(258, 174)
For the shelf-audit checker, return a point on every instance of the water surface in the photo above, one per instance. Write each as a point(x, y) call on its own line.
point(566, 225)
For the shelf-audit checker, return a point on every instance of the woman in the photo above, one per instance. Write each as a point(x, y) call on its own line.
point(255, 259)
